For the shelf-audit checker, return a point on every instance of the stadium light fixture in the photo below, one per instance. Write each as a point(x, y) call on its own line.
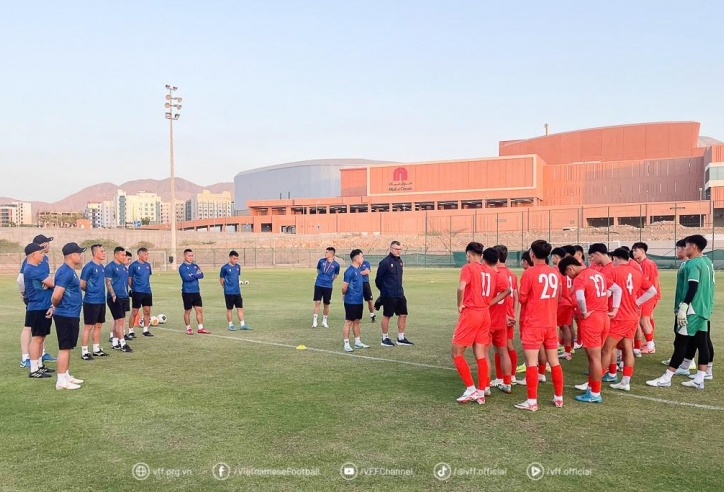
point(172, 115)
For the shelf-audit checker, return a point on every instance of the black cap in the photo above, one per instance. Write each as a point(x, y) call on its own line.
point(32, 248)
point(40, 239)
point(71, 248)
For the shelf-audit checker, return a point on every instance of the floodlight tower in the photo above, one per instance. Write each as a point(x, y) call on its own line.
point(173, 108)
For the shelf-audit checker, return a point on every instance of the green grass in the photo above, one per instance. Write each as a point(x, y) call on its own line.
point(180, 402)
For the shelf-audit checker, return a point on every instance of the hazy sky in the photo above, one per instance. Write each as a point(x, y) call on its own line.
point(267, 82)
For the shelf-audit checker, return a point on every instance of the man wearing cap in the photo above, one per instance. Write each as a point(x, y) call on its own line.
point(26, 333)
point(67, 303)
point(92, 282)
point(38, 285)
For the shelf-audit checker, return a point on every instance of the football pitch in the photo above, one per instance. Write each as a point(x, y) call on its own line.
point(279, 418)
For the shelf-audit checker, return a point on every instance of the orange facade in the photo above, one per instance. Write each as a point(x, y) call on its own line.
point(651, 165)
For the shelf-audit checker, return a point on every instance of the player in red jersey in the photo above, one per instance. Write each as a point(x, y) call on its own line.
point(473, 327)
point(650, 271)
point(592, 298)
point(565, 306)
point(624, 318)
point(511, 305)
point(499, 323)
point(539, 292)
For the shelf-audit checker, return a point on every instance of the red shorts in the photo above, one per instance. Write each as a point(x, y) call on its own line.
point(647, 308)
point(499, 337)
point(623, 329)
point(565, 315)
point(511, 332)
point(473, 327)
point(595, 329)
point(532, 337)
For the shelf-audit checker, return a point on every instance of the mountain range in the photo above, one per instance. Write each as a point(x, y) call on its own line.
point(106, 191)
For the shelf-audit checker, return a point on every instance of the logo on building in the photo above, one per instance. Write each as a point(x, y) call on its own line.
point(399, 181)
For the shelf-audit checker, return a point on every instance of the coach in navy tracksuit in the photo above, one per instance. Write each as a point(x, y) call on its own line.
point(392, 295)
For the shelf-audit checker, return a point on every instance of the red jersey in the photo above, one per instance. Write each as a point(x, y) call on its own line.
point(595, 290)
point(631, 281)
point(476, 284)
point(651, 271)
point(539, 292)
point(607, 272)
point(513, 284)
point(634, 264)
point(499, 310)
point(566, 283)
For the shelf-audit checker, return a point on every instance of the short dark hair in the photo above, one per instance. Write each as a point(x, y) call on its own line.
point(578, 248)
point(142, 250)
point(129, 254)
point(395, 243)
point(558, 252)
point(502, 250)
point(620, 253)
point(681, 243)
point(569, 249)
point(475, 248)
point(233, 253)
point(697, 240)
point(598, 248)
point(525, 257)
point(626, 248)
point(95, 247)
point(490, 256)
point(566, 262)
point(643, 246)
point(334, 251)
point(118, 249)
point(540, 249)
point(354, 253)
point(188, 250)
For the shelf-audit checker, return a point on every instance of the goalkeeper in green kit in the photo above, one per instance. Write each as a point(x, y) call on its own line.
point(694, 306)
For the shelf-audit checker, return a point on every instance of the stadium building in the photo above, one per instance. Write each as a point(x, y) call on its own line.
point(620, 175)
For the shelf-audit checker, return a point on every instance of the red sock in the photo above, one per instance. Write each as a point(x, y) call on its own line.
point(649, 337)
point(498, 369)
point(567, 349)
point(612, 368)
point(483, 373)
point(628, 371)
point(595, 386)
point(513, 361)
point(637, 344)
point(531, 380)
point(464, 370)
point(542, 369)
point(506, 378)
point(557, 375)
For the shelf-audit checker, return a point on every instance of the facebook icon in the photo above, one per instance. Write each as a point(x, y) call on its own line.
point(221, 471)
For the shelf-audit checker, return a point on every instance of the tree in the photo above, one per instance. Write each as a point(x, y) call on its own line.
point(145, 221)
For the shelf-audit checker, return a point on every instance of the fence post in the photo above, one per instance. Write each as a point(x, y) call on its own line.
point(497, 228)
point(579, 220)
point(549, 225)
point(641, 224)
point(608, 227)
point(522, 233)
point(449, 245)
point(425, 239)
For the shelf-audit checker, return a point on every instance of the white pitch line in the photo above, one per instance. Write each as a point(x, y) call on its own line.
point(432, 366)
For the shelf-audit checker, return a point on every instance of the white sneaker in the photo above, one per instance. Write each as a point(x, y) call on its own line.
point(577, 346)
point(637, 353)
point(513, 381)
point(75, 380)
point(314, 324)
point(347, 348)
point(693, 384)
point(360, 345)
point(527, 406)
point(496, 382)
point(522, 382)
point(666, 362)
point(681, 372)
point(468, 395)
point(67, 386)
point(480, 397)
point(621, 386)
point(659, 383)
point(708, 377)
point(582, 387)
point(324, 324)
point(541, 378)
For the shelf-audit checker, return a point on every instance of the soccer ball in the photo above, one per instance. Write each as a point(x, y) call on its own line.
point(162, 318)
point(154, 320)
